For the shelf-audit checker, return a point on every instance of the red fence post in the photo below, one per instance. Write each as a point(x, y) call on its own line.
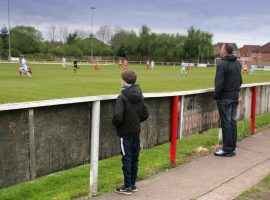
point(253, 110)
point(174, 127)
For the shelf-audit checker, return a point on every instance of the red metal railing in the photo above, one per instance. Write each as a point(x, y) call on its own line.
point(174, 129)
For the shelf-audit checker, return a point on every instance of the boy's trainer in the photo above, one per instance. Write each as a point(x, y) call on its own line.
point(124, 190)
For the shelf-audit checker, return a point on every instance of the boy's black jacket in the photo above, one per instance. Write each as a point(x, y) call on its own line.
point(228, 79)
point(130, 110)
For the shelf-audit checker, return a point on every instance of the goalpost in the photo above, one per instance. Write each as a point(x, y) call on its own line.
point(106, 62)
point(99, 62)
point(218, 60)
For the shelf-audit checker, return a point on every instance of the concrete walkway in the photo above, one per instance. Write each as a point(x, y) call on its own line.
point(210, 177)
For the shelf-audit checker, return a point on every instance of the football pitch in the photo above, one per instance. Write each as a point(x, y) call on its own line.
point(51, 81)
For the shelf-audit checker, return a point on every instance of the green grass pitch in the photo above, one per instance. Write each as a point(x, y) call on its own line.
point(50, 81)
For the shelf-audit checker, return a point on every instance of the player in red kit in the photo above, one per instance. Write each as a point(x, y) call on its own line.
point(147, 64)
point(125, 64)
point(188, 67)
point(95, 65)
point(120, 64)
point(245, 69)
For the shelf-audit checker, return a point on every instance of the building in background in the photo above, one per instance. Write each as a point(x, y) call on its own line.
point(256, 54)
point(218, 46)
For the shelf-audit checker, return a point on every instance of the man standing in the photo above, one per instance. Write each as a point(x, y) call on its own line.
point(227, 86)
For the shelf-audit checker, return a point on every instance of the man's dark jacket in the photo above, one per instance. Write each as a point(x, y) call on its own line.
point(130, 110)
point(228, 79)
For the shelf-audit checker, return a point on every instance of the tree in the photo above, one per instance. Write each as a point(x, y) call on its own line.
point(198, 44)
point(131, 44)
point(4, 37)
point(125, 43)
point(163, 47)
point(144, 40)
point(82, 34)
point(26, 39)
point(74, 51)
point(119, 37)
point(4, 42)
point(121, 52)
point(72, 38)
point(104, 34)
point(1, 44)
point(63, 34)
point(52, 32)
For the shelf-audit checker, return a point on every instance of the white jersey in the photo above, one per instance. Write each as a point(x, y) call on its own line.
point(23, 61)
point(183, 66)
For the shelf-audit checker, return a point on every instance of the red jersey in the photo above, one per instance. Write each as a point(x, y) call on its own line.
point(94, 62)
point(125, 62)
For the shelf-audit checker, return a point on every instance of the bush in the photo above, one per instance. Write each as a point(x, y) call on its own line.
point(15, 53)
point(73, 51)
point(4, 53)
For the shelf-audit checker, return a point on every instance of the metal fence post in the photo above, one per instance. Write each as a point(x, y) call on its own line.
point(94, 148)
point(253, 110)
point(174, 128)
point(32, 149)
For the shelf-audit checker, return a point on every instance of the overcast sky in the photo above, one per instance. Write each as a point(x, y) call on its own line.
point(240, 21)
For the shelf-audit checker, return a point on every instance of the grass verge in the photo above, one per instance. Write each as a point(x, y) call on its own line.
point(75, 182)
point(261, 191)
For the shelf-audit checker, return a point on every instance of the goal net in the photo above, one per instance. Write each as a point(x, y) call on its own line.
point(218, 60)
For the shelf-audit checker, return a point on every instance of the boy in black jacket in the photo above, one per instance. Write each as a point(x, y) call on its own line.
point(130, 110)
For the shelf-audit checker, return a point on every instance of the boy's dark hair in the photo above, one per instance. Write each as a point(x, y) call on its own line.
point(129, 76)
point(229, 48)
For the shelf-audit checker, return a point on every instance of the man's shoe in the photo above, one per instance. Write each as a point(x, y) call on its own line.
point(222, 153)
point(124, 190)
point(134, 188)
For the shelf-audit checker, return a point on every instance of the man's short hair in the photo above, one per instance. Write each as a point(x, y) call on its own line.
point(129, 76)
point(229, 48)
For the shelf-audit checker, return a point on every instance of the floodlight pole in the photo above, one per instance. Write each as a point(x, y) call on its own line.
point(9, 46)
point(92, 34)
point(199, 54)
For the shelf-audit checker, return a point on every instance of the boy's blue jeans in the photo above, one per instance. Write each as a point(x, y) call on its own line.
point(130, 149)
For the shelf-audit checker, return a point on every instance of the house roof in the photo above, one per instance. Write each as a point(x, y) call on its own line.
point(252, 48)
point(265, 48)
point(235, 48)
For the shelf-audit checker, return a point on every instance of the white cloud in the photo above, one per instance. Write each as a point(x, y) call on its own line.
point(241, 21)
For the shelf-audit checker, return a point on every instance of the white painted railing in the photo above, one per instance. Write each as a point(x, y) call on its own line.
point(95, 124)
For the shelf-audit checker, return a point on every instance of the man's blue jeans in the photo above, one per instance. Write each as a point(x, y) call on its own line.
point(228, 110)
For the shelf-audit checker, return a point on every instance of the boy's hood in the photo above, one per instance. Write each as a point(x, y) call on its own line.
point(133, 93)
